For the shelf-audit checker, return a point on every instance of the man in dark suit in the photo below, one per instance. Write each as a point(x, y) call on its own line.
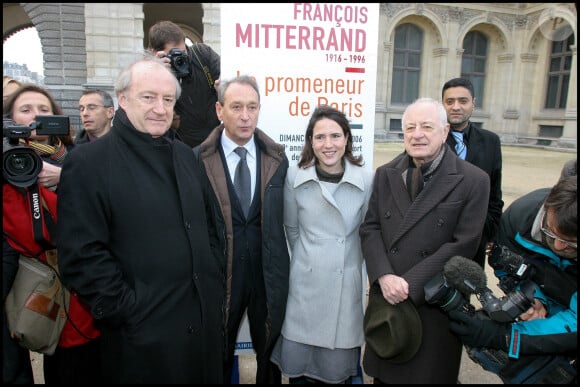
point(480, 147)
point(258, 262)
point(427, 206)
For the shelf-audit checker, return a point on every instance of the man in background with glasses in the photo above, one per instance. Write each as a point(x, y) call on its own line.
point(541, 228)
point(96, 109)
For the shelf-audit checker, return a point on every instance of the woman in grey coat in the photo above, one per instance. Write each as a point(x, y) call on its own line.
point(325, 200)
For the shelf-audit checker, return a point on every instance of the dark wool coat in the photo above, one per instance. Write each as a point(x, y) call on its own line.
point(275, 255)
point(134, 244)
point(484, 151)
point(196, 105)
point(414, 240)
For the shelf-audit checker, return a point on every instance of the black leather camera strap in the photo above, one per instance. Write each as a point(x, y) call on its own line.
point(40, 216)
point(205, 69)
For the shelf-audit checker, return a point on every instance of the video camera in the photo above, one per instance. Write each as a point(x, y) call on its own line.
point(462, 277)
point(179, 62)
point(21, 164)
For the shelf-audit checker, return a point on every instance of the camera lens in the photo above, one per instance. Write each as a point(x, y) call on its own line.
point(21, 166)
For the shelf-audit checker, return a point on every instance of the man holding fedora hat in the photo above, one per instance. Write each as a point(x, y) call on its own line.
point(427, 206)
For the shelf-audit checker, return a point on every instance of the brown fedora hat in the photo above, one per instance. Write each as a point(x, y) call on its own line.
point(393, 332)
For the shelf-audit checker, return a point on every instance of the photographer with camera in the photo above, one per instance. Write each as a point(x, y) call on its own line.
point(198, 69)
point(36, 142)
point(22, 107)
point(536, 242)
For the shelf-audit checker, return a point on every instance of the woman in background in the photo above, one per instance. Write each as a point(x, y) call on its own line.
point(77, 357)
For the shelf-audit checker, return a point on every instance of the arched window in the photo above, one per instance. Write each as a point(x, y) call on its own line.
point(559, 69)
point(406, 63)
point(473, 62)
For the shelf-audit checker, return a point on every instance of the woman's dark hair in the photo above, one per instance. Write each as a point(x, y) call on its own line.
point(56, 109)
point(307, 157)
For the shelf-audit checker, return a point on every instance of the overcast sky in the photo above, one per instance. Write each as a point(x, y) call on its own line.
point(24, 48)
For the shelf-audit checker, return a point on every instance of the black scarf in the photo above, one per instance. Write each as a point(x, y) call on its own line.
point(416, 177)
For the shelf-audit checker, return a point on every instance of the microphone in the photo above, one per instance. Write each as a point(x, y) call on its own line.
point(465, 275)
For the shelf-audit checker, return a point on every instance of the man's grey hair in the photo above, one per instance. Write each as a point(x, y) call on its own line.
point(106, 98)
point(243, 79)
point(438, 105)
point(123, 82)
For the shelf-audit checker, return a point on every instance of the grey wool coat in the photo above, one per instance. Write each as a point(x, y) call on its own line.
point(414, 240)
point(134, 244)
point(325, 300)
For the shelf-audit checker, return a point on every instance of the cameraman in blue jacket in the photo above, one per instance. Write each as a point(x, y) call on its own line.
point(540, 229)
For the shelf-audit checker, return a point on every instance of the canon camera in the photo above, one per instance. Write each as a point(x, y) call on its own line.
point(21, 164)
point(451, 288)
point(179, 62)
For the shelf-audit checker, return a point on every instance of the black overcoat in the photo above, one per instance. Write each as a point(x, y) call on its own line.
point(134, 243)
point(484, 151)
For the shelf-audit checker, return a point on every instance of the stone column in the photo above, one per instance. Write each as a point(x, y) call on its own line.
point(61, 28)
point(114, 39)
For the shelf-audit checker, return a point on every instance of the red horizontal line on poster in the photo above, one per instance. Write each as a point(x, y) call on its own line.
point(355, 70)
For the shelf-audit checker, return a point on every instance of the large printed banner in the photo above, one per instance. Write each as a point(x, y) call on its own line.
point(304, 55)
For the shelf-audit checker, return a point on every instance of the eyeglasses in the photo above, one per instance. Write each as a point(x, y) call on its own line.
point(90, 108)
point(553, 237)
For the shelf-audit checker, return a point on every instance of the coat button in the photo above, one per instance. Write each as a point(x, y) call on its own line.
point(394, 250)
point(195, 276)
point(187, 225)
point(388, 214)
point(424, 254)
point(440, 222)
point(190, 329)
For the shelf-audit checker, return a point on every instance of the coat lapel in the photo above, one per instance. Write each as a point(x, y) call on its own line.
point(443, 181)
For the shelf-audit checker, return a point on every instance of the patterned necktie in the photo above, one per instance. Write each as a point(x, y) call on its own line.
point(460, 147)
point(242, 180)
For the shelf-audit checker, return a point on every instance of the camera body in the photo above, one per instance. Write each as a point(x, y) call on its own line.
point(179, 62)
point(509, 307)
point(20, 164)
point(505, 261)
point(440, 292)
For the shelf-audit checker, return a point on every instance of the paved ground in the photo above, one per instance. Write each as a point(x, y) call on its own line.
point(524, 170)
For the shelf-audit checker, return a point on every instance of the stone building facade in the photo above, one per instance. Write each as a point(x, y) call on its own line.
point(521, 56)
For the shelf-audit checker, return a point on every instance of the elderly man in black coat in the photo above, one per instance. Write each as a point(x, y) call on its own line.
point(136, 241)
point(427, 206)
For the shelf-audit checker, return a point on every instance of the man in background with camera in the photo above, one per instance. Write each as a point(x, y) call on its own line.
point(537, 242)
point(198, 69)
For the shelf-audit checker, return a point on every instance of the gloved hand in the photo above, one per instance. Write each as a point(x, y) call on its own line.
point(477, 332)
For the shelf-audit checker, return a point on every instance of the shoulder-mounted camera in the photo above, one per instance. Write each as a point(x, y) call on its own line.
point(21, 164)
